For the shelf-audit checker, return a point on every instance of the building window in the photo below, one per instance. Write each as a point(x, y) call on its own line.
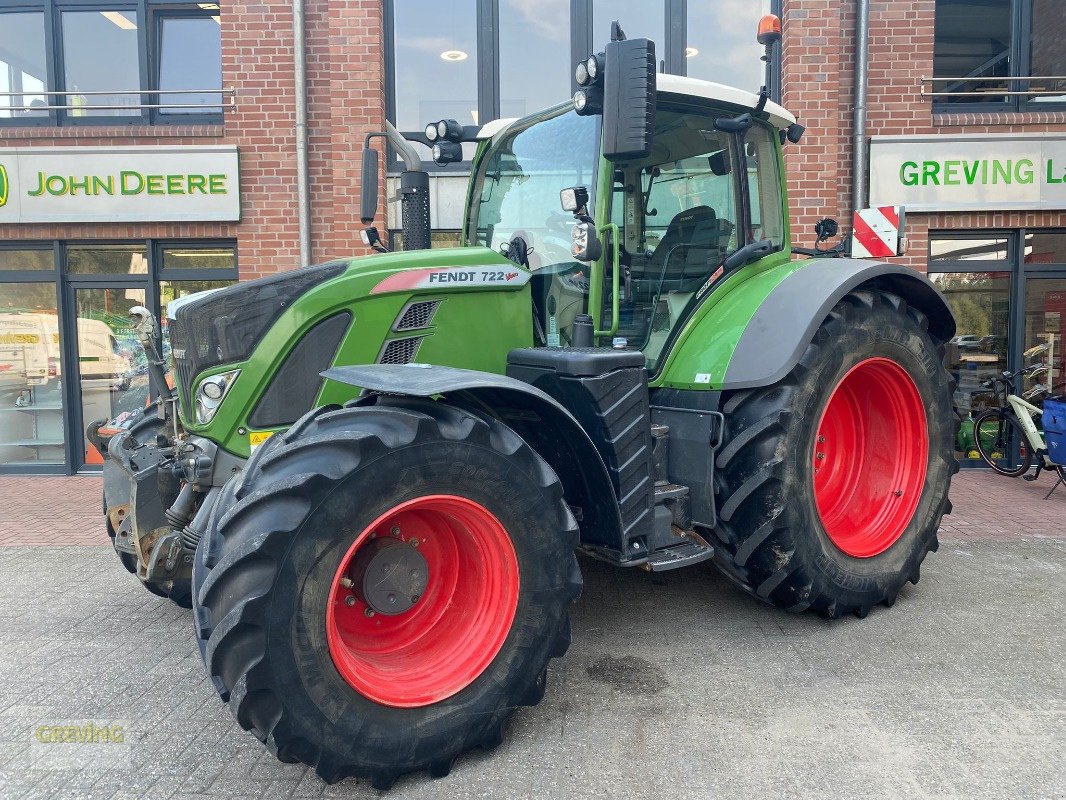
point(479, 60)
point(721, 45)
point(23, 65)
point(541, 28)
point(435, 65)
point(88, 34)
point(998, 55)
point(81, 63)
point(190, 57)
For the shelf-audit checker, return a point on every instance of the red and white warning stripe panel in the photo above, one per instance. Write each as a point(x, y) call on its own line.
point(877, 232)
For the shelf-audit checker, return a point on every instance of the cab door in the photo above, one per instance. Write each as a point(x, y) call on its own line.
point(700, 196)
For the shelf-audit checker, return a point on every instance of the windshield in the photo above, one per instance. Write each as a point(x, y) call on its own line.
point(517, 185)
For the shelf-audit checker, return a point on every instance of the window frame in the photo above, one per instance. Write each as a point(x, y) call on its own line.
point(581, 44)
point(1021, 16)
point(150, 14)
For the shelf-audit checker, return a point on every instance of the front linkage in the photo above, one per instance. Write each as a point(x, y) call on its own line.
point(156, 481)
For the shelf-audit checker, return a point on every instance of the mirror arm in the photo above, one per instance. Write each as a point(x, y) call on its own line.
point(411, 160)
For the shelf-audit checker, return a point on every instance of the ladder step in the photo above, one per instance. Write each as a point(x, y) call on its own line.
point(679, 555)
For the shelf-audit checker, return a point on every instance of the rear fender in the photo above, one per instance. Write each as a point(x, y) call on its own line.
point(757, 337)
point(540, 420)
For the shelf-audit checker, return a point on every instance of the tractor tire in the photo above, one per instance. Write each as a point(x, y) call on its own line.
point(145, 426)
point(297, 631)
point(831, 484)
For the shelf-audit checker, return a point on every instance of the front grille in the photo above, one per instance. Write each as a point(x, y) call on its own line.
point(416, 315)
point(400, 351)
point(184, 371)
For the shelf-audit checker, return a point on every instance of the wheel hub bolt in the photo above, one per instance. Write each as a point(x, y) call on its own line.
point(396, 530)
point(369, 612)
point(414, 542)
point(349, 600)
point(820, 456)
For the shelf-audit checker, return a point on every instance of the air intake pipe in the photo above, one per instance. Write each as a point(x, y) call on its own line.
point(414, 189)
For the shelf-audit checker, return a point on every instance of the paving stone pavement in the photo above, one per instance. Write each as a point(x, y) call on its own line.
point(677, 685)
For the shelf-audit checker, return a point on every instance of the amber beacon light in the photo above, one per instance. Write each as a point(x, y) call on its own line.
point(769, 29)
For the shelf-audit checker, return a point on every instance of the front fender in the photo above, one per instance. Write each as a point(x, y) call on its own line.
point(755, 334)
point(547, 426)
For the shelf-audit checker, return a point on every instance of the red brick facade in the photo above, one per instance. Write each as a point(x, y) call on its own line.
point(346, 99)
point(818, 57)
point(345, 67)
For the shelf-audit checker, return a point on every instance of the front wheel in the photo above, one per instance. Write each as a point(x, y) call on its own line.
point(384, 585)
point(995, 435)
point(831, 483)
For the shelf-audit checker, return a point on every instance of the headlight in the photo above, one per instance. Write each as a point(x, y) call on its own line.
point(212, 392)
point(431, 131)
point(581, 74)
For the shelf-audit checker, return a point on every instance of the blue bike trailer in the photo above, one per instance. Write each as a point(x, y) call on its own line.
point(1055, 429)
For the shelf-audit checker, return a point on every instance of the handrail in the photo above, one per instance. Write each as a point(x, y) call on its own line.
point(991, 90)
point(226, 92)
point(611, 228)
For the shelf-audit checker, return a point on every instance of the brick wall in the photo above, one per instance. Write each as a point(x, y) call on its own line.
point(818, 55)
point(346, 99)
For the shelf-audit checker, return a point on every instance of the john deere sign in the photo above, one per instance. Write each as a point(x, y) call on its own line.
point(983, 172)
point(119, 184)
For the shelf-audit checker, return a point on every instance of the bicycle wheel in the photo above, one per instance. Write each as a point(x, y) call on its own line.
point(995, 435)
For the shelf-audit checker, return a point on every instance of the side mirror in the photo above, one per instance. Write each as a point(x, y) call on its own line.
point(628, 99)
point(368, 195)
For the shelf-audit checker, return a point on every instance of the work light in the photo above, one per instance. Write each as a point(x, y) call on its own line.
point(588, 101)
point(447, 153)
point(431, 131)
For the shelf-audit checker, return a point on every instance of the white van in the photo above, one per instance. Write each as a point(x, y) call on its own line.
point(23, 351)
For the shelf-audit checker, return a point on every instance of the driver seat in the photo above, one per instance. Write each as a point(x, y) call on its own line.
point(690, 242)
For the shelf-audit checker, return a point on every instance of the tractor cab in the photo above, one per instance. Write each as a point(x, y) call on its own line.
point(653, 231)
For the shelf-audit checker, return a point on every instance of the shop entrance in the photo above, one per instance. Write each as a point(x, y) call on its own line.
point(1007, 289)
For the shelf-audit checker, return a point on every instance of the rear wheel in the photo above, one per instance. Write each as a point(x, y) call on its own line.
point(831, 484)
point(995, 436)
point(384, 585)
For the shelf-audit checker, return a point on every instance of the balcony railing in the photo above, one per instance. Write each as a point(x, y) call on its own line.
point(64, 101)
point(985, 92)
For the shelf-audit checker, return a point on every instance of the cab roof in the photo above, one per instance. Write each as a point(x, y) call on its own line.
point(692, 87)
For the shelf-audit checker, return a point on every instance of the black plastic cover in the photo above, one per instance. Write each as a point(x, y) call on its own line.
point(577, 361)
point(295, 386)
point(629, 99)
point(607, 392)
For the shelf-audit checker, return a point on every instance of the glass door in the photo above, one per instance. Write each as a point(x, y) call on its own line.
point(1045, 318)
point(112, 366)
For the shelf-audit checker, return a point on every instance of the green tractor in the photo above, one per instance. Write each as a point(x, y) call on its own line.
point(374, 476)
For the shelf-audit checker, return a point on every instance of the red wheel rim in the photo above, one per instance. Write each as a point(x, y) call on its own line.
point(870, 457)
point(452, 633)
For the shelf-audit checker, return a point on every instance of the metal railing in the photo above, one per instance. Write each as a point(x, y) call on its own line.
point(993, 91)
point(227, 95)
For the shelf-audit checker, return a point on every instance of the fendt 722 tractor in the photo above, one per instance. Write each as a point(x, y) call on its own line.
point(372, 478)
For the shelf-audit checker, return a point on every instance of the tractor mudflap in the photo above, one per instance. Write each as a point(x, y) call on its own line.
point(138, 490)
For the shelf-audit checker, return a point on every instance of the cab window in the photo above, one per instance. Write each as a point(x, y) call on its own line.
point(678, 213)
point(764, 186)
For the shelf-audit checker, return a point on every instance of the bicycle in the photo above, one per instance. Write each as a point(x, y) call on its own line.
point(997, 430)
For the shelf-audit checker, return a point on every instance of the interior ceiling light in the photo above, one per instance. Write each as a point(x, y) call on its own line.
point(691, 51)
point(453, 55)
point(122, 21)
